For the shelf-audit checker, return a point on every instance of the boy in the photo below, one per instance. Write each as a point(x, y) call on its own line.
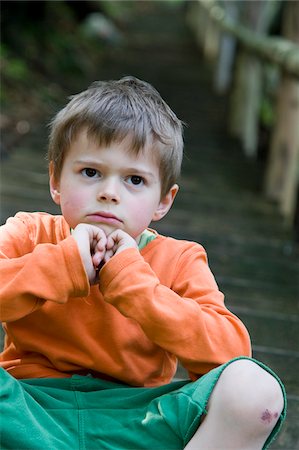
point(98, 308)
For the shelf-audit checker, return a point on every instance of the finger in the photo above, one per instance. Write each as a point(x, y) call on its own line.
point(108, 255)
point(114, 238)
point(99, 252)
point(99, 235)
point(100, 246)
point(98, 240)
point(110, 242)
point(97, 258)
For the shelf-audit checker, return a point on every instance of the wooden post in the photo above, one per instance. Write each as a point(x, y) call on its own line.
point(211, 42)
point(227, 50)
point(282, 175)
point(245, 102)
point(247, 86)
point(207, 34)
point(196, 20)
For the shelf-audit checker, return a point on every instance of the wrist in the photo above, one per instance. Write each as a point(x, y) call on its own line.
point(116, 264)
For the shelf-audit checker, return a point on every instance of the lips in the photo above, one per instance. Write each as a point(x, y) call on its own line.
point(104, 217)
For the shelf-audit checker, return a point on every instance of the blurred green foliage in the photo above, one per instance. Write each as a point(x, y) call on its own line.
point(12, 67)
point(45, 49)
point(267, 115)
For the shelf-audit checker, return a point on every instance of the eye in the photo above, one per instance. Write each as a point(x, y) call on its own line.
point(90, 173)
point(136, 180)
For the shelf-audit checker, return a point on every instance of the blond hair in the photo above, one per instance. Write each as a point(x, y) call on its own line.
point(111, 111)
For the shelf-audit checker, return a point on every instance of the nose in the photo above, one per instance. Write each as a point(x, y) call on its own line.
point(109, 192)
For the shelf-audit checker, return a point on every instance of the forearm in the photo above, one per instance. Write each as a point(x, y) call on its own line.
point(47, 273)
point(194, 325)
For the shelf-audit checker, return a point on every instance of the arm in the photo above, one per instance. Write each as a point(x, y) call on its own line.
point(33, 272)
point(188, 319)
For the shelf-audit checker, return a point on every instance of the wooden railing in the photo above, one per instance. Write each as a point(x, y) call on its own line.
point(242, 56)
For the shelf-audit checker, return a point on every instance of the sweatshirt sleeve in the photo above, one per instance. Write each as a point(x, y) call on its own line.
point(33, 273)
point(188, 319)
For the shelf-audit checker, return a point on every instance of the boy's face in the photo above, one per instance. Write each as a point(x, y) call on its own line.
point(110, 187)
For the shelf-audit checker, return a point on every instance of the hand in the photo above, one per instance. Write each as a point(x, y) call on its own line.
point(118, 241)
point(91, 242)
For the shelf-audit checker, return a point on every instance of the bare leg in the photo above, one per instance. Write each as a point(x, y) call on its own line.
point(242, 411)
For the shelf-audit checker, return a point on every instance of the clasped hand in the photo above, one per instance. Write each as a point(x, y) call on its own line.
point(96, 248)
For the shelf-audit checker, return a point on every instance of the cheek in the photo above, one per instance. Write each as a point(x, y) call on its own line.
point(142, 213)
point(72, 205)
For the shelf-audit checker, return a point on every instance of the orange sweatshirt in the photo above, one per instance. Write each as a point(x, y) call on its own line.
point(150, 309)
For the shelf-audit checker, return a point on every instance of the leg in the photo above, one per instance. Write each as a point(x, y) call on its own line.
point(35, 419)
point(242, 411)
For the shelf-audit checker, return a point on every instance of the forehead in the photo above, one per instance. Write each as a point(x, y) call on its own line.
point(85, 146)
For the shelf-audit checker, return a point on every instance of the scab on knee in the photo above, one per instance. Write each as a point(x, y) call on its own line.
point(251, 393)
point(267, 416)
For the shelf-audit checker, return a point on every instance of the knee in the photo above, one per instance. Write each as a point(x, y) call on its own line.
point(250, 395)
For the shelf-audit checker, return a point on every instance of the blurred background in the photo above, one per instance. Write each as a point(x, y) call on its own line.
point(230, 71)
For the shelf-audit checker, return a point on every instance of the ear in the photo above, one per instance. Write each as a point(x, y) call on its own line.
point(54, 185)
point(166, 203)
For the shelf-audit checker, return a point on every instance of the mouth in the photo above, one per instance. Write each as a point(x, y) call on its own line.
point(104, 217)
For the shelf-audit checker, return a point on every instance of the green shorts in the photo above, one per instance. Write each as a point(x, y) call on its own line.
point(86, 413)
